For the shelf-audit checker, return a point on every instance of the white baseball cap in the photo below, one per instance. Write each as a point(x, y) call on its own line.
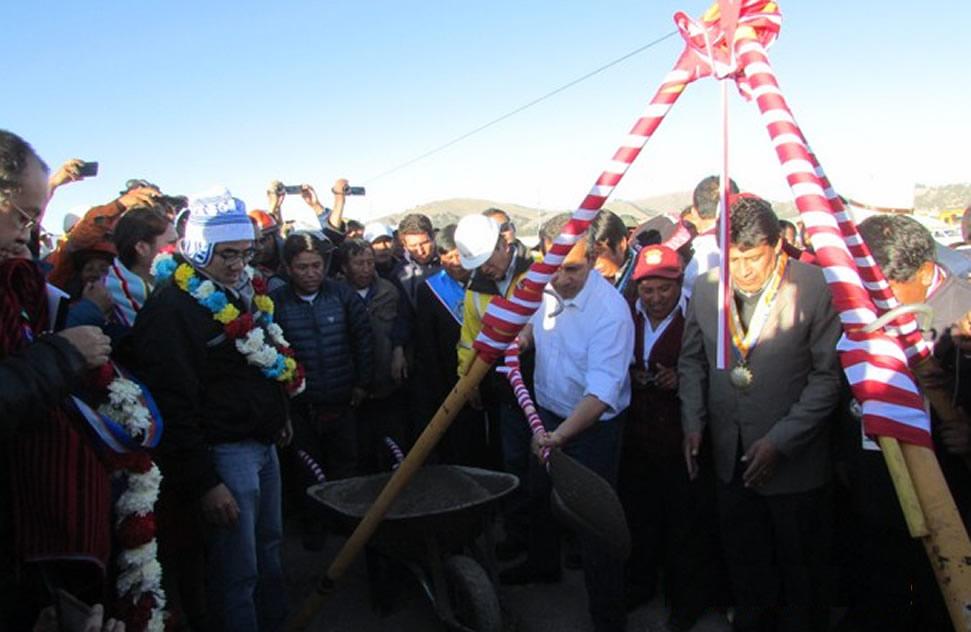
point(476, 237)
point(377, 230)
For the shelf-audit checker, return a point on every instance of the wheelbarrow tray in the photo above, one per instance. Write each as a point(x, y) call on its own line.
point(448, 502)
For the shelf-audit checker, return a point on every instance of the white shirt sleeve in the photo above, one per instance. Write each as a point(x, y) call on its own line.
point(608, 359)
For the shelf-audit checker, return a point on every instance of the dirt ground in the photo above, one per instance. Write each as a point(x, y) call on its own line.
point(557, 607)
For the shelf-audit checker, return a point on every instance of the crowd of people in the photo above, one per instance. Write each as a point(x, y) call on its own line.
point(272, 355)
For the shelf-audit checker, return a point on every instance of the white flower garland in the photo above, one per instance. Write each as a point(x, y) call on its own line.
point(139, 571)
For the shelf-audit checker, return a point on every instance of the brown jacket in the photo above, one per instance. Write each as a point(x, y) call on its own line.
point(382, 306)
point(796, 381)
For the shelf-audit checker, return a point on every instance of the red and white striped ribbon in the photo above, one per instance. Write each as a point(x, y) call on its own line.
point(515, 377)
point(704, 51)
point(876, 364)
point(312, 466)
point(878, 374)
point(396, 452)
point(505, 317)
point(723, 340)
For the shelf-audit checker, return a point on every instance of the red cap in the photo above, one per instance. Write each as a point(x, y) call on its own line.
point(657, 261)
point(264, 220)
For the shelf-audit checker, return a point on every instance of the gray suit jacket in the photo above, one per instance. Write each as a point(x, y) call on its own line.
point(796, 385)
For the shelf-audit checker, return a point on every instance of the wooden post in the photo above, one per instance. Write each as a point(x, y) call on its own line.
point(947, 544)
point(893, 456)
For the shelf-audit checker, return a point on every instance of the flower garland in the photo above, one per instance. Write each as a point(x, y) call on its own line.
point(141, 599)
point(256, 336)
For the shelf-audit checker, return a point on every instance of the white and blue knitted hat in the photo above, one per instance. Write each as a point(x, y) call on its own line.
point(215, 216)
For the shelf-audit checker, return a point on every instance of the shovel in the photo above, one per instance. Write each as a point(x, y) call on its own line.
point(587, 504)
point(581, 499)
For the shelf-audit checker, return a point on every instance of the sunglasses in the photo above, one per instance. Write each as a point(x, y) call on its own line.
point(506, 227)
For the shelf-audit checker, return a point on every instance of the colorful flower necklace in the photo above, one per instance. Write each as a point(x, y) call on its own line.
point(136, 427)
point(256, 336)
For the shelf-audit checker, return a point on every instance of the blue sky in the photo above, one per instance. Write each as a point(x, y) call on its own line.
point(189, 94)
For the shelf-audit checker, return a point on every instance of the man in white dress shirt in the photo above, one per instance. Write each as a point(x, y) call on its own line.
point(704, 217)
point(584, 339)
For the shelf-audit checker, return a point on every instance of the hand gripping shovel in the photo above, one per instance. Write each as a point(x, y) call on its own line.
point(581, 499)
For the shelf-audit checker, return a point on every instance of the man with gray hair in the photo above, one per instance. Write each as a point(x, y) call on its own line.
point(38, 434)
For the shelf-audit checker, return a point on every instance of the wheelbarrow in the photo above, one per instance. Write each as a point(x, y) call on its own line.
point(439, 527)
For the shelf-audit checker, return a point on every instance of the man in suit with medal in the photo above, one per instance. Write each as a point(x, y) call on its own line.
point(767, 418)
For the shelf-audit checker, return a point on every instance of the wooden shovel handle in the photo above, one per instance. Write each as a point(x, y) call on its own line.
point(947, 545)
point(904, 486)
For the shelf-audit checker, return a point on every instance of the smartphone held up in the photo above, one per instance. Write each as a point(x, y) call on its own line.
point(88, 169)
point(296, 189)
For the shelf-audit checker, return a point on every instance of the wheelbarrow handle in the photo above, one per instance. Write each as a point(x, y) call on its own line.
point(399, 480)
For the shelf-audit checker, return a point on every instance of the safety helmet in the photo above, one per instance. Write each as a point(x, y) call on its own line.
point(476, 237)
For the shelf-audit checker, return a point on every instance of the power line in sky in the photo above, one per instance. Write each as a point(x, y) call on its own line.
point(519, 109)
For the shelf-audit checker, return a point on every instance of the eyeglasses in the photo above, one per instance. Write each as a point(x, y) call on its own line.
point(27, 221)
point(507, 226)
point(231, 256)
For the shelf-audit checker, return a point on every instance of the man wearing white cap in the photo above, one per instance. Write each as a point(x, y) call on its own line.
point(497, 267)
point(207, 348)
point(381, 238)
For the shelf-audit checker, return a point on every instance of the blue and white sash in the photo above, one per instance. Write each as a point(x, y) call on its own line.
point(449, 292)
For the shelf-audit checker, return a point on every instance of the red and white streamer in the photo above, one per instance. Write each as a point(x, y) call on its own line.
point(504, 317)
point(396, 452)
point(724, 45)
point(876, 364)
point(514, 375)
point(703, 51)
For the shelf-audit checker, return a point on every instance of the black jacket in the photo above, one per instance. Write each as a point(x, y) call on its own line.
point(408, 276)
point(34, 379)
point(331, 338)
point(205, 390)
point(436, 336)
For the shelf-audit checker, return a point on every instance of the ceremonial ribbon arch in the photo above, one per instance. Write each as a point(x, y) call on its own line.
point(729, 42)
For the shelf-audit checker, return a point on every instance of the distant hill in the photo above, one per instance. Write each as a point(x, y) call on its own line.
point(949, 196)
point(528, 220)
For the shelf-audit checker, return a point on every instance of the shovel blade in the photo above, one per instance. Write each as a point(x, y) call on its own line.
point(586, 503)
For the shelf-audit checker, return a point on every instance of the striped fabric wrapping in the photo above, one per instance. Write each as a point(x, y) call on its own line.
point(505, 317)
point(514, 375)
point(876, 364)
point(710, 39)
point(313, 468)
point(396, 452)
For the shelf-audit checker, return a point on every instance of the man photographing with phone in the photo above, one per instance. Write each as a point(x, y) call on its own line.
point(73, 170)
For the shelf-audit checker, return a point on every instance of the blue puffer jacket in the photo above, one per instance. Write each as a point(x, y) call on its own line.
point(331, 337)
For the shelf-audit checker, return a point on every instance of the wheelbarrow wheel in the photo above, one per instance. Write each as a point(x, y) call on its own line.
point(472, 595)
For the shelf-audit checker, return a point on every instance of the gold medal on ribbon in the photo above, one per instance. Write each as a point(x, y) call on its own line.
point(744, 341)
point(741, 377)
